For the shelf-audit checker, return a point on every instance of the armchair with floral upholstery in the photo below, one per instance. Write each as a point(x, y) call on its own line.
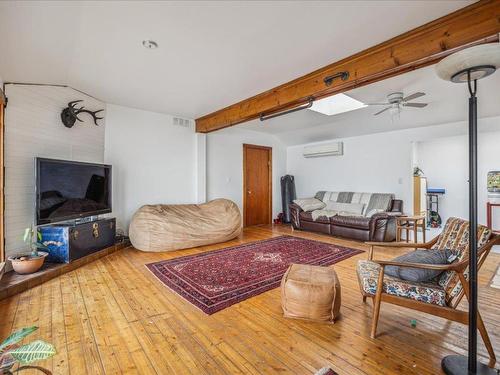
point(441, 295)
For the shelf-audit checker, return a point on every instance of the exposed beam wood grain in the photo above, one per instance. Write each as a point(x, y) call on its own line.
point(475, 24)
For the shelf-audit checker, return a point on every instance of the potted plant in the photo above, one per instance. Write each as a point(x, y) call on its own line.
point(29, 263)
point(11, 352)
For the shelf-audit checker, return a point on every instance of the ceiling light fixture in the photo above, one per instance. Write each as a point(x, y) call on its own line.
point(336, 104)
point(149, 44)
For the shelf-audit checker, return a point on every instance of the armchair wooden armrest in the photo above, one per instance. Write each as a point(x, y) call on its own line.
point(437, 267)
point(399, 244)
point(422, 245)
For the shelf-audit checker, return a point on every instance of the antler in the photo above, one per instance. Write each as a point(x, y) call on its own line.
point(76, 111)
point(92, 113)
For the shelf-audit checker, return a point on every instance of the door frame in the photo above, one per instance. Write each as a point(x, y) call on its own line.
point(270, 187)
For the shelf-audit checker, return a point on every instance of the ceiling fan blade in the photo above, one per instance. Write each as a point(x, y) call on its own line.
point(416, 105)
point(414, 96)
point(379, 112)
point(378, 103)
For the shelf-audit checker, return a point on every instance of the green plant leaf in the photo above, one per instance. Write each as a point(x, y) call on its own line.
point(27, 233)
point(17, 336)
point(34, 351)
point(39, 235)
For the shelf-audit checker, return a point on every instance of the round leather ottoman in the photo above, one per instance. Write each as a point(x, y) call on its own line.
point(310, 292)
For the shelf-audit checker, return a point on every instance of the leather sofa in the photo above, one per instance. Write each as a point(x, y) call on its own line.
point(380, 227)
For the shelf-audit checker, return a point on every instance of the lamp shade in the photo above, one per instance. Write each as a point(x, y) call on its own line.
point(478, 61)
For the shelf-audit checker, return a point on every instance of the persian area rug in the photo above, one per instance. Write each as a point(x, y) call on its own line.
point(218, 279)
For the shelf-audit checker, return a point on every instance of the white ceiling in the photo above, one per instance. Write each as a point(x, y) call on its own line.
point(211, 53)
point(447, 103)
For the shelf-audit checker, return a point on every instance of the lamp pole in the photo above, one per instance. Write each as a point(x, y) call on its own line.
point(472, 363)
point(468, 66)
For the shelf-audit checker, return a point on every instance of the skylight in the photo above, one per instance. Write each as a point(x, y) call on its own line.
point(336, 104)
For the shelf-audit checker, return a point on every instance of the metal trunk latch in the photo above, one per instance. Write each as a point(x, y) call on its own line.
point(95, 229)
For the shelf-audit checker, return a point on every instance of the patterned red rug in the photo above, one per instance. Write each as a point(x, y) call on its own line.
point(218, 279)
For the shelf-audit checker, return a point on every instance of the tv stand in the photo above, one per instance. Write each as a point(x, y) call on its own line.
point(70, 241)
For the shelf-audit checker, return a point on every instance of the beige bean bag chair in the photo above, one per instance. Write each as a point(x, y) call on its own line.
point(164, 227)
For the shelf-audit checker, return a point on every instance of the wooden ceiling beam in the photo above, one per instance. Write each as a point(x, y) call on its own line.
point(475, 24)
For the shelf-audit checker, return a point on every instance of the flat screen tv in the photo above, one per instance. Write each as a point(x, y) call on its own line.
point(68, 190)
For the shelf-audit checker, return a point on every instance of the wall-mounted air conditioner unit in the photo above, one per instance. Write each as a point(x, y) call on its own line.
point(326, 149)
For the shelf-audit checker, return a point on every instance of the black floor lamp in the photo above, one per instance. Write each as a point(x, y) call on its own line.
point(468, 66)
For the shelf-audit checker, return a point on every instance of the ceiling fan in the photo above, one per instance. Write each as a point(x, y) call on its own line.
point(396, 101)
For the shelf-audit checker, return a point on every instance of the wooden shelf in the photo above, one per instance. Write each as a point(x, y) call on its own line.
point(13, 283)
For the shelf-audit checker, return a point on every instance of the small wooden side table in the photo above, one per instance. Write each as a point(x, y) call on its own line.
point(410, 224)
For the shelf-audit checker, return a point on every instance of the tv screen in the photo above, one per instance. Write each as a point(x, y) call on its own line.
point(68, 190)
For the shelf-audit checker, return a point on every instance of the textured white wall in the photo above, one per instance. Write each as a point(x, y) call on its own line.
point(225, 164)
point(201, 167)
point(445, 164)
point(153, 160)
point(33, 128)
point(379, 163)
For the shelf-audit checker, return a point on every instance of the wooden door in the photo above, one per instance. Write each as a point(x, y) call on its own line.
point(257, 185)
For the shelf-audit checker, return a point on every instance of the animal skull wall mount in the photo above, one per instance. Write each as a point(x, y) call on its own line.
point(69, 115)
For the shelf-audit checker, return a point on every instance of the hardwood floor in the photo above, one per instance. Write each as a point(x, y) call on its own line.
point(113, 316)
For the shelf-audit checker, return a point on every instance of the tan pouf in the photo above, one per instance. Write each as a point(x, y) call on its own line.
point(310, 292)
point(163, 227)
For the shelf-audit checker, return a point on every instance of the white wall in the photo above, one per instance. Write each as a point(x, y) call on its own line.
point(383, 162)
point(201, 168)
point(225, 164)
point(153, 160)
point(372, 163)
point(33, 128)
point(445, 164)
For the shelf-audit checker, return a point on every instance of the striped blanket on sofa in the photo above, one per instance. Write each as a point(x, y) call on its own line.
point(373, 202)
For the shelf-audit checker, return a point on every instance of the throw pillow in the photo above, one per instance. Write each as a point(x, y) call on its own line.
point(309, 204)
point(418, 256)
point(354, 209)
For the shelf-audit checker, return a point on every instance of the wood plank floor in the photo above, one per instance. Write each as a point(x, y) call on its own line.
point(113, 317)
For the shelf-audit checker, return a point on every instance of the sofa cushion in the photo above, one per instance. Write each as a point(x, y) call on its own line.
point(359, 222)
point(326, 196)
point(325, 214)
point(309, 204)
point(372, 201)
point(379, 201)
point(345, 208)
point(307, 216)
point(428, 292)
point(418, 256)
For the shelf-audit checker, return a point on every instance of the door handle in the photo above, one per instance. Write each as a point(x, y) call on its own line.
point(249, 192)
